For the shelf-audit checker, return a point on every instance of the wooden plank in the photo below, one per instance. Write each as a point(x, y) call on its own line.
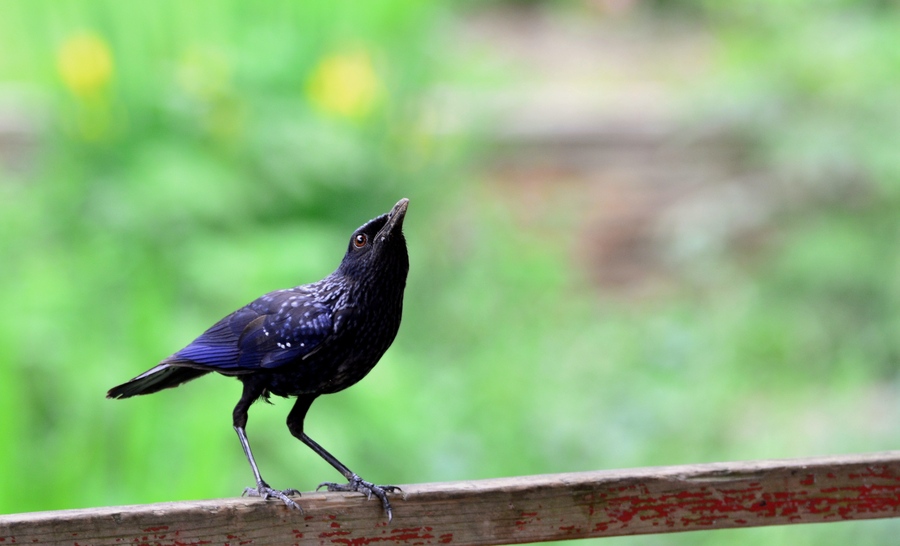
point(506, 510)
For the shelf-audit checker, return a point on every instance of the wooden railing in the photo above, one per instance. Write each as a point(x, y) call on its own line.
point(505, 510)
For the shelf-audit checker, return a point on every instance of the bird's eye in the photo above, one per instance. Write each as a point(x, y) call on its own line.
point(360, 240)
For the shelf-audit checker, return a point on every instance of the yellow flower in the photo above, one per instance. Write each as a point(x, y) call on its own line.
point(85, 63)
point(345, 85)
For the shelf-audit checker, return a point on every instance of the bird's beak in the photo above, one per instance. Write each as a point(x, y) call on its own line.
point(395, 219)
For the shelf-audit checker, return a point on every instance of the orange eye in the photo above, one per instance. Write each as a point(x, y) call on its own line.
point(360, 240)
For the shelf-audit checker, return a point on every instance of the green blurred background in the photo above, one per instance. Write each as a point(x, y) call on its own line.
point(640, 233)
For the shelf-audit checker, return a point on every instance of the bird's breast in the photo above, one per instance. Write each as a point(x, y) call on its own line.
point(345, 358)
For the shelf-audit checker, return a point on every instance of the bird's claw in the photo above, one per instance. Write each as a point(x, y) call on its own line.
point(359, 485)
point(265, 492)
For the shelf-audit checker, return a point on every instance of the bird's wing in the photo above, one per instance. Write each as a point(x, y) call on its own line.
point(278, 328)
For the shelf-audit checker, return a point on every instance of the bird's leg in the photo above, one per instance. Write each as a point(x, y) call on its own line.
point(354, 482)
point(262, 488)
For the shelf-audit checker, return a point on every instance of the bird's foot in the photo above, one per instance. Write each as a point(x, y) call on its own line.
point(368, 489)
point(263, 491)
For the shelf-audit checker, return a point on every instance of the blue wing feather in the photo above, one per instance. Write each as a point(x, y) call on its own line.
point(274, 330)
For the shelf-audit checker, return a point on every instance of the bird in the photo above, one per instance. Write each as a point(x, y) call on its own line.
point(303, 342)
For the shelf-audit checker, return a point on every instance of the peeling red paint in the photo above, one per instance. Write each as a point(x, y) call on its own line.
point(527, 517)
point(409, 530)
point(705, 507)
point(423, 538)
point(326, 534)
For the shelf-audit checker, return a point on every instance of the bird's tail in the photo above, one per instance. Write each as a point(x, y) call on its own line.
point(164, 376)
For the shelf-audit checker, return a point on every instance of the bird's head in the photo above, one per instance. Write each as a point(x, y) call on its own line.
point(377, 248)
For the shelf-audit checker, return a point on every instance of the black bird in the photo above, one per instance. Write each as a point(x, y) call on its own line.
point(306, 341)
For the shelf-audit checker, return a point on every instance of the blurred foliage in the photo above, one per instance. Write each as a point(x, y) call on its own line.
point(190, 158)
point(815, 81)
point(193, 156)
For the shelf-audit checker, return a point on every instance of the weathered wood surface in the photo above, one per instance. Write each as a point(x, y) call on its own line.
point(506, 510)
